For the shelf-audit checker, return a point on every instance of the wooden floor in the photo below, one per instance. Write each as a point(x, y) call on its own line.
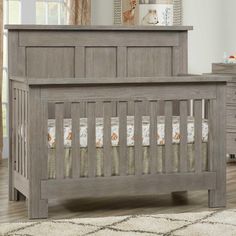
point(194, 201)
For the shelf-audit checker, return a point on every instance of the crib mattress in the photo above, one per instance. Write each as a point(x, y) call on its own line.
point(130, 131)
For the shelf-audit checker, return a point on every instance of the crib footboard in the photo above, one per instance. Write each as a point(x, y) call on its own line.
point(160, 170)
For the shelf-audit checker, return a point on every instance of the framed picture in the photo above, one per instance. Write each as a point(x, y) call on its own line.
point(148, 12)
point(130, 12)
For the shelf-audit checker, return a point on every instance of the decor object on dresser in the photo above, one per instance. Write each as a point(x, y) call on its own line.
point(148, 12)
point(229, 69)
point(58, 83)
point(155, 13)
point(231, 59)
point(79, 12)
point(130, 12)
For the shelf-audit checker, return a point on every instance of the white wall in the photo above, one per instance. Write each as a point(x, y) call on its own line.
point(102, 12)
point(229, 32)
point(205, 41)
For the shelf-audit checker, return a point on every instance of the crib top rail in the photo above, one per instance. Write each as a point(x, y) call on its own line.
point(100, 27)
point(119, 81)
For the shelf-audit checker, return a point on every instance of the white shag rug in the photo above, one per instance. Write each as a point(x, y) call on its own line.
point(212, 223)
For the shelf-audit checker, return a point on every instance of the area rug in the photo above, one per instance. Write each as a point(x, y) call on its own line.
point(185, 224)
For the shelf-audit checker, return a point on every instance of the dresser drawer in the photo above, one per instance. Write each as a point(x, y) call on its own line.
point(231, 93)
point(231, 143)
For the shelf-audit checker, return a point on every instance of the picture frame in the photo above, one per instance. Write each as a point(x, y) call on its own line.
point(120, 6)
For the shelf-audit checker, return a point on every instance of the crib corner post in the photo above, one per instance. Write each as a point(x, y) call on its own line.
point(38, 207)
point(217, 196)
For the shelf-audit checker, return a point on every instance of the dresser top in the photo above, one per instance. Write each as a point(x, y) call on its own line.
point(98, 28)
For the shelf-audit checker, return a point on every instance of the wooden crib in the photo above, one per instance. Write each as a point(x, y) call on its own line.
point(37, 100)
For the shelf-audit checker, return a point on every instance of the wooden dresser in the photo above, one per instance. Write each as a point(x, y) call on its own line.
point(229, 69)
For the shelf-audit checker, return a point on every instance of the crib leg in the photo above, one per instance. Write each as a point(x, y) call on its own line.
point(217, 198)
point(37, 208)
point(13, 193)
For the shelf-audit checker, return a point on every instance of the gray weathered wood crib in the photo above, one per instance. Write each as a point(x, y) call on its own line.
point(96, 112)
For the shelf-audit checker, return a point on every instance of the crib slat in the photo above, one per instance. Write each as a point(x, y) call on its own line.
point(138, 138)
point(198, 134)
point(13, 146)
point(16, 121)
point(27, 135)
point(183, 166)
point(122, 111)
point(153, 137)
point(107, 149)
point(20, 131)
point(211, 133)
point(91, 139)
point(75, 115)
point(59, 115)
point(168, 138)
point(23, 133)
point(45, 140)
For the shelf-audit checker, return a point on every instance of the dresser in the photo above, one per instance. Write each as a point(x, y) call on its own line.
point(229, 69)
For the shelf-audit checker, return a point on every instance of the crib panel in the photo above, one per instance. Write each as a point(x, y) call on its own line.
point(153, 137)
point(107, 149)
point(75, 116)
point(183, 162)
point(122, 113)
point(168, 150)
point(198, 135)
point(91, 106)
point(138, 138)
point(59, 115)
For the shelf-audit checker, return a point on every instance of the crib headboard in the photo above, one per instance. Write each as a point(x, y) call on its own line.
point(97, 51)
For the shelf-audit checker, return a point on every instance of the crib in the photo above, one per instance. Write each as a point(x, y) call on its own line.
point(117, 163)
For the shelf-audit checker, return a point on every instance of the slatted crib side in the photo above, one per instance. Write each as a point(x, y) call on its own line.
point(18, 133)
point(19, 147)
